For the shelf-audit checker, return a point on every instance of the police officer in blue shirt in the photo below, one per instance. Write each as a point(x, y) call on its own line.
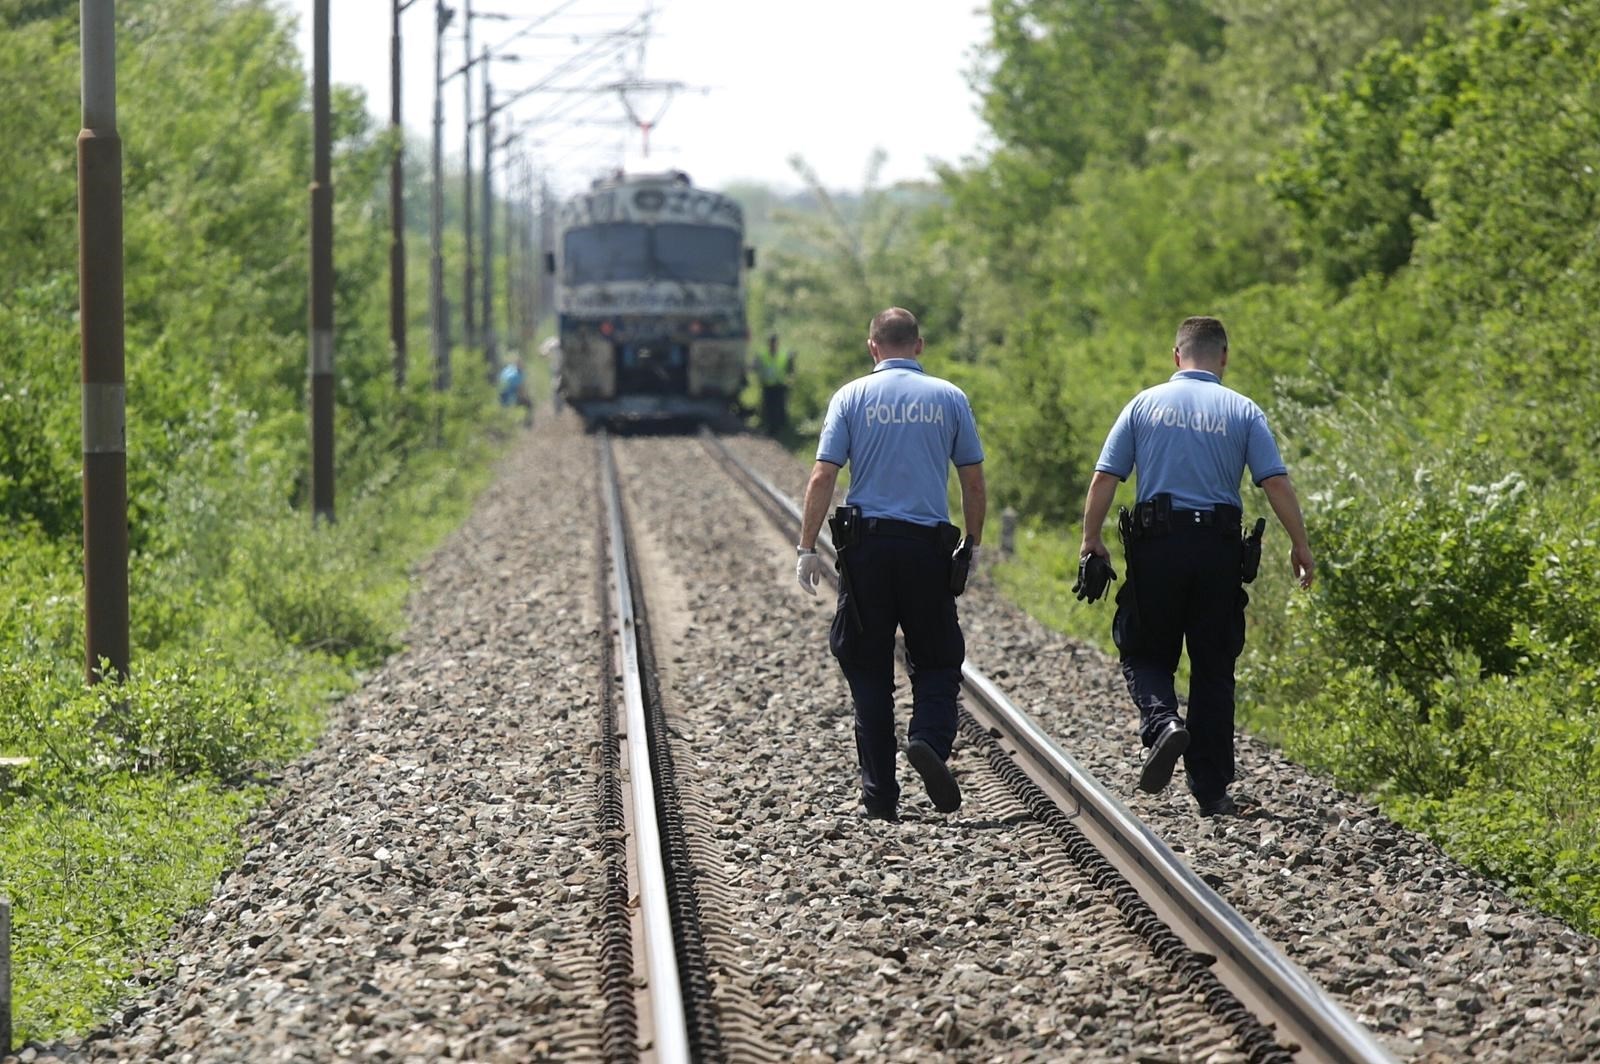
point(1190, 440)
point(900, 430)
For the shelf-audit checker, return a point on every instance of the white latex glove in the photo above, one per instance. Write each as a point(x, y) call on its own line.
point(808, 570)
point(975, 557)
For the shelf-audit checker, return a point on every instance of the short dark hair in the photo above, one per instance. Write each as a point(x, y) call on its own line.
point(1202, 338)
point(895, 328)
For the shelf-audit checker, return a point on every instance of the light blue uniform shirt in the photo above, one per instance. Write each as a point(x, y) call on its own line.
point(900, 429)
point(1192, 438)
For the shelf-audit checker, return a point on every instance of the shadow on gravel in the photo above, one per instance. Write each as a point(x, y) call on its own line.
point(1003, 824)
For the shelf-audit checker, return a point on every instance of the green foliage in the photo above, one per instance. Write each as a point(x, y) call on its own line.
point(831, 274)
point(1356, 188)
point(1415, 577)
point(1071, 79)
point(186, 716)
point(39, 455)
point(1027, 444)
point(96, 881)
point(244, 619)
point(16, 13)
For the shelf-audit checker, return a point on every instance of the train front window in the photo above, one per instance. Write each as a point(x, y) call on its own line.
point(618, 251)
point(697, 253)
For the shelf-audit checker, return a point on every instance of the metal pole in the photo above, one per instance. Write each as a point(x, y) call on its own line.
point(517, 233)
point(530, 266)
point(547, 246)
point(5, 977)
point(513, 256)
point(438, 312)
point(105, 450)
point(397, 208)
point(321, 353)
point(468, 298)
point(491, 354)
point(527, 272)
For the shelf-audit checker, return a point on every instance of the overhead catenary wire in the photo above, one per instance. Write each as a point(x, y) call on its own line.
point(572, 66)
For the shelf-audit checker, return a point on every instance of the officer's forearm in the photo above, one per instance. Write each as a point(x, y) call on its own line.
point(819, 493)
point(974, 500)
point(1097, 504)
point(1286, 504)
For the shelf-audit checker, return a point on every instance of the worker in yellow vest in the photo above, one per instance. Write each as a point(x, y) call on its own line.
point(773, 372)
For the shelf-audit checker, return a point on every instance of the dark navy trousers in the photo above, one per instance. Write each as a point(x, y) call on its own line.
point(898, 582)
point(1183, 589)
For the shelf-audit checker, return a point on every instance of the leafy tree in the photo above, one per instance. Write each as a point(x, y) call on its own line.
point(16, 13)
point(1356, 188)
point(837, 267)
point(1073, 79)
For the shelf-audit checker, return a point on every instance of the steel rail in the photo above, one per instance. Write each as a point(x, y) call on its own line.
point(1257, 972)
point(670, 1034)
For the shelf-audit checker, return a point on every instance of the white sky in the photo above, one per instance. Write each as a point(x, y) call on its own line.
point(827, 79)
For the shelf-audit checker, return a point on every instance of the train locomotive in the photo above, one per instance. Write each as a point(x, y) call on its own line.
point(650, 301)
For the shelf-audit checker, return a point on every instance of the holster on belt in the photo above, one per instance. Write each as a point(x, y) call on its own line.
point(845, 528)
point(1153, 517)
point(960, 564)
point(1250, 552)
point(1127, 531)
point(844, 525)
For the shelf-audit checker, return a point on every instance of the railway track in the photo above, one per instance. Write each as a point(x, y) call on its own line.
point(434, 882)
point(658, 994)
point(1277, 1012)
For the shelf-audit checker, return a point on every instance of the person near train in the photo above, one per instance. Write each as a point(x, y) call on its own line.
point(1189, 440)
point(774, 371)
point(901, 561)
point(513, 386)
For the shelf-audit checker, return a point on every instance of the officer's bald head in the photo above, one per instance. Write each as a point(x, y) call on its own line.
point(895, 330)
point(1202, 341)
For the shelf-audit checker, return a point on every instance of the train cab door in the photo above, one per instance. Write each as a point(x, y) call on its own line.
point(652, 367)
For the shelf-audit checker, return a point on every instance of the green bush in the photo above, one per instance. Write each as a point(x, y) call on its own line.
point(1410, 582)
point(298, 580)
point(1527, 808)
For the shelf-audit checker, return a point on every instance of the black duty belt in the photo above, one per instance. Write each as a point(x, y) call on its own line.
point(1156, 516)
point(1225, 517)
point(888, 526)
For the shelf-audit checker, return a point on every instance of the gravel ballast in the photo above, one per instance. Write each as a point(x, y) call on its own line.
point(1435, 959)
point(426, 883)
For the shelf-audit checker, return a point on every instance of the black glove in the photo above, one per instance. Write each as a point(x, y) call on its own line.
point(1094, 573)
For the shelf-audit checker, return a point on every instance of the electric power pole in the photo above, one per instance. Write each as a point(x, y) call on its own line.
point(530, 265)
point(100, 313)
point(438, 310)
point(321, 355)
point(467, 297)
point(547, 246)
point(397, 205)
point(491, 353)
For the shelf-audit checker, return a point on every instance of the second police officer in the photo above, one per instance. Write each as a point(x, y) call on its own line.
point(899, 429)
point(1190, 440)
